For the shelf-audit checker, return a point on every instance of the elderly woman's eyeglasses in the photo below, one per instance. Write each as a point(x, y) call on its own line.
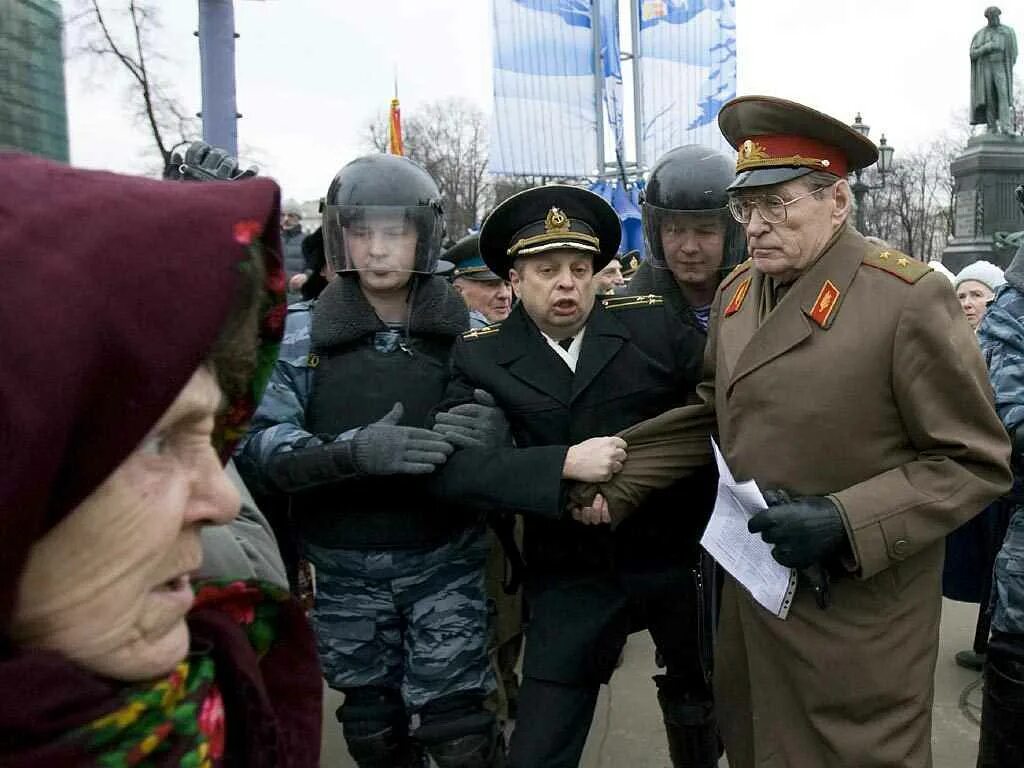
point(771, 207)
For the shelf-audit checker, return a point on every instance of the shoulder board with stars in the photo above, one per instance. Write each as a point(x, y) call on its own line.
point(622, 302)
point(478, 333)
point(737, 271)
point(907, 269)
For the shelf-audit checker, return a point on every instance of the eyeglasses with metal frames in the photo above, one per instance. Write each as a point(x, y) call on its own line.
point(773, 208)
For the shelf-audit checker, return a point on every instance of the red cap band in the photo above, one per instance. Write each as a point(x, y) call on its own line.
point(790, 151)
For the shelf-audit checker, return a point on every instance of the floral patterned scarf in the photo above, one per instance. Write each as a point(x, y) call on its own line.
point(181, 720)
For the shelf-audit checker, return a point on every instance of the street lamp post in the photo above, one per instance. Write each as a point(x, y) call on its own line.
point(859, 187)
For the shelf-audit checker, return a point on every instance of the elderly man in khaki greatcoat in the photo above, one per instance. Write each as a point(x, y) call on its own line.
point(843, 379)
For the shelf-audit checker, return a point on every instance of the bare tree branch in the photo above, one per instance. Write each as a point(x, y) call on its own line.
point(449, 139)
point(104, 39)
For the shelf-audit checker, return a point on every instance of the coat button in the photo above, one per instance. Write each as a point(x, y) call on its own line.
point(900, 547)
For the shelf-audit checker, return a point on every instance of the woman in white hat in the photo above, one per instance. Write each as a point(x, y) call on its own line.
point(975, 287)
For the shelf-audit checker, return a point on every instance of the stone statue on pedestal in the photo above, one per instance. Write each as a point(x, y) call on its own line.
point(993, 53)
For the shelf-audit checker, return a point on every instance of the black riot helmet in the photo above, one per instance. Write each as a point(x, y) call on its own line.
point(686, 182)
point(386, 199)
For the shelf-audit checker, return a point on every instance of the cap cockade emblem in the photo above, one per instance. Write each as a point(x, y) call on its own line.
point(751, 150)
point(556, 221)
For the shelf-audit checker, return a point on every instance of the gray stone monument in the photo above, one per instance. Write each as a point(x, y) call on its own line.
point(986, 173)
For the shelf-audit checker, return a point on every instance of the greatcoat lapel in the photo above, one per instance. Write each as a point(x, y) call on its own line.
point(798, 314)
point(528, 357)
point(604, 338)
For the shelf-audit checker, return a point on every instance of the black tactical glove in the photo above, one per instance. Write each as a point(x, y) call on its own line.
point(475, 425)
point(382, 448)
point(804, 530)
point(202, 162)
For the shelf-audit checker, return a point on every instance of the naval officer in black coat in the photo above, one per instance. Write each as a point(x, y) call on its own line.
point(570, 371)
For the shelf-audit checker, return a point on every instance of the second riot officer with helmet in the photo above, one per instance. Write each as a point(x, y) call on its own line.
point(692, 241)
point(344, 429)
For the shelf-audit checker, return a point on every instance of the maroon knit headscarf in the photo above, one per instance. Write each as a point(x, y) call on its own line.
point(114, 289)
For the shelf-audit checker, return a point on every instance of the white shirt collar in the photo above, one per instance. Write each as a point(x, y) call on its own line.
point(572, 355)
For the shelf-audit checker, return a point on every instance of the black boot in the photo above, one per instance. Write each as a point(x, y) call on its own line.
point(376, 729)
point(477, 750)
point(690, 726)
point(457, 732)
point(383, 749)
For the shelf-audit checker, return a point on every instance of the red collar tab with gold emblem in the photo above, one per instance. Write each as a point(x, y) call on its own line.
point(737, 298)
point(825, 304)
point(793, 151)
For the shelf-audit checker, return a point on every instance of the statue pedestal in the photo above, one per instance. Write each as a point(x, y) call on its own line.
point(984, 177)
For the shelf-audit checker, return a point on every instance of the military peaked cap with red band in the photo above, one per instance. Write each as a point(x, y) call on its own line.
point(778, 140)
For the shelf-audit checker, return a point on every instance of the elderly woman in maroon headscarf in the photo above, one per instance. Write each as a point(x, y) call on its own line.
point(138, 324)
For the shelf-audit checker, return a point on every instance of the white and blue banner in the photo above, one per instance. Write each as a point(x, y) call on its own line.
point(686, 54)
point(626, 202)
point(611, 66)
point(545, 106)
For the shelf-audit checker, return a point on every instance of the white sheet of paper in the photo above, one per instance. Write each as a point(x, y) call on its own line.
point(745, 555)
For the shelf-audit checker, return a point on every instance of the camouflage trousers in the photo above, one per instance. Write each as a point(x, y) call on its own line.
point(414, 620)
point(1008, 580)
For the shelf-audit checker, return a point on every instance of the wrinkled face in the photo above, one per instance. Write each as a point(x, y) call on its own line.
point(108, 587)
point(383, 250)
point(783, 251)
point(974, 298)
point(491, 298)
point(694, 247)
point(556, 290)
point(609, 278)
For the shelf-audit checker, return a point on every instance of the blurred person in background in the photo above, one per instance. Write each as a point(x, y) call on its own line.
point(291, 244)
point(976, 286)
point(610, 279)
point(489, 300)
point(487, 296)
point(1001, 335)
point(245, 547)
point(971, 549)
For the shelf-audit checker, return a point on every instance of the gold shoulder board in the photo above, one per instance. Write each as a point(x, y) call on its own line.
point(621, 302)
point(476, 333)
point(737, 271)
point(906, 268)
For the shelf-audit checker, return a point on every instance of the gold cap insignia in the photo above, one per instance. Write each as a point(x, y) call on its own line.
point(751, 150)
point(634, 263)
point(556, 221)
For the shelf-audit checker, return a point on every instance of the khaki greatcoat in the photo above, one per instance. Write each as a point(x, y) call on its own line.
point(880, 399)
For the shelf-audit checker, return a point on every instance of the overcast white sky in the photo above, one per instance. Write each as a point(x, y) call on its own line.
point(311, 73)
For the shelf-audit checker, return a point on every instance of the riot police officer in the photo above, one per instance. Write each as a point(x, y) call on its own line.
point(400, 609)
point(692, 241)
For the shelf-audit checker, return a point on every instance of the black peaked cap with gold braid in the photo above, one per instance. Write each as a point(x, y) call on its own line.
point(549, 218)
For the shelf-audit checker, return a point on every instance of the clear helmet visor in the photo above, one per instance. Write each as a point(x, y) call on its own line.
point(382, 238)
point(702, 234)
